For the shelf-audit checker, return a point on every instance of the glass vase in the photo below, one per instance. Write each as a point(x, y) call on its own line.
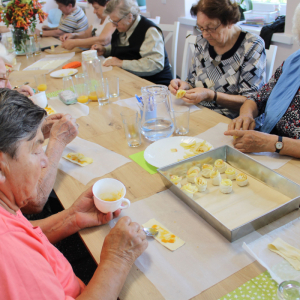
point(20, 37)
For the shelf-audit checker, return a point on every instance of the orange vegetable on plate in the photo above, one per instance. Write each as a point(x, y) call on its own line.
point(72, 65)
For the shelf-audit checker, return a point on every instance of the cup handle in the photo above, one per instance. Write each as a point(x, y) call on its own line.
point(126, 205)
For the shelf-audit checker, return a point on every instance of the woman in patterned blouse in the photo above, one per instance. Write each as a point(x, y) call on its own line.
point(279, 102)
point(229, 64)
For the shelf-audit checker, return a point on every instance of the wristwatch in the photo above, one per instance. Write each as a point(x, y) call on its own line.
point(214, 100)
point(41, 33)
point(279, 144)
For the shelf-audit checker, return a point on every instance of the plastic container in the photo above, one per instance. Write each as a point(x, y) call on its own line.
point(260, 17)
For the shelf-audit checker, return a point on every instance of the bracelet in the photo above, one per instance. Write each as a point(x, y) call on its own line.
point(214, 101)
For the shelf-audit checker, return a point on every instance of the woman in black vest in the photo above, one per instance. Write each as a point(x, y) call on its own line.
point(137, 45)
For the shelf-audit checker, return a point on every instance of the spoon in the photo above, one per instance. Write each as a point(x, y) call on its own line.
point(17, 86)
point(150, 231)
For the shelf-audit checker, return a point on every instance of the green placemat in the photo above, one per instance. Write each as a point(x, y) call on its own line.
point(53, 94)
point(140, 160)
point(262, 287)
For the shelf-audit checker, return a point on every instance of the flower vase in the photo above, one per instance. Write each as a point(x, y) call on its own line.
point(20, 37)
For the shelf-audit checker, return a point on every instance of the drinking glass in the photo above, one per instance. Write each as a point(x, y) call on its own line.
point(69, 95)
point(113, 84)
point(41, 83)
point(102, 92)
point(30, 47)
point(132, 127)
point(289, 290)
point(81, 88)
point(181, 116)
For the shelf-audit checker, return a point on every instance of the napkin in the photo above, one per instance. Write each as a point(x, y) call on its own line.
point(133, 104)
point(140, 160)
point(216, 137)
point(104, 160)
point(279, 268)
point(76, 110)
point(205, 259)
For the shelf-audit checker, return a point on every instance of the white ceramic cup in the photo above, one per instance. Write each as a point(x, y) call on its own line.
point(109, 186)
point(40, 99)
point(89, 55)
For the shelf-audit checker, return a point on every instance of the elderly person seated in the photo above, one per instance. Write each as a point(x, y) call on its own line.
point(72, 20)
point(32, 268)
point(229, 63)
point(137, 45)
point(279, 102)
point(100, 32)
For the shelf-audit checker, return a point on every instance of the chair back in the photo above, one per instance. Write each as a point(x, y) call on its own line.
point(188, 52)
point(54, 16)
point(156, 21)
point(173, 31)
point(270, 57)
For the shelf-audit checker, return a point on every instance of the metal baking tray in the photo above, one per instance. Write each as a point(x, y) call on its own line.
point(249, 166)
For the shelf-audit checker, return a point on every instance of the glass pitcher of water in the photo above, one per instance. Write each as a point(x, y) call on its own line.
point(156, 120)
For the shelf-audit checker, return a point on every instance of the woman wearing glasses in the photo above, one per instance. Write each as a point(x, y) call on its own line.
point(137, 45)
point(229, 64)
point(100, 32)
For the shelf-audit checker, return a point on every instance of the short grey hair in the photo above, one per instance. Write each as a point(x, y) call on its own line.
point(124, 7)
point(296, 24)
point(20, 119)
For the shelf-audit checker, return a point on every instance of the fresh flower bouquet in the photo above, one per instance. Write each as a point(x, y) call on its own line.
point(22, 15)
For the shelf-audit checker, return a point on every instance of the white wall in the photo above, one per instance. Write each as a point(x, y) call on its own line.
point(173, 9)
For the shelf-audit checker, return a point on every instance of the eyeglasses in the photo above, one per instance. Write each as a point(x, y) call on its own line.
point(116, 22)
point(208, 30)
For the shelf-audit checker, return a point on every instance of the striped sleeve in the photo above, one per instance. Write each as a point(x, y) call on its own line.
point(75, 22)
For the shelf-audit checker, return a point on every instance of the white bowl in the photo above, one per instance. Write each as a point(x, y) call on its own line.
point(40, 99)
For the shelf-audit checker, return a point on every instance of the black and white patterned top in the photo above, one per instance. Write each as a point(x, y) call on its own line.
point(289, 124)
point(240, 71)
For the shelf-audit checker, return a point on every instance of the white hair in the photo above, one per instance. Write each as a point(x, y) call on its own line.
point(124, 7)
point(8, 58)
point(296, 24)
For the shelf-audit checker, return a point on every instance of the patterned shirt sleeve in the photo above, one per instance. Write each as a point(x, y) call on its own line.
point(253, 69)
point(262, 96)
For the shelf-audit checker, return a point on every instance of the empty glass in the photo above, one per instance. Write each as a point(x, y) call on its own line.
point(102, 92)
point(132, 127)
point(181, 117)
point(113, 84)
point(30, 47)
point(41, 83)
point(289, 290)
point(82, 89)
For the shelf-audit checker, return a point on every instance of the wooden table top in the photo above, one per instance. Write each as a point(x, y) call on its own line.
point(103, 126)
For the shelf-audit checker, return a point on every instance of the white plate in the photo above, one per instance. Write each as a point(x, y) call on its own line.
point(159, 153)
point(63, 72)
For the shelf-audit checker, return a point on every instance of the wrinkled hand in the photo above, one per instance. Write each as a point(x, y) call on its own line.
point(245, 122)
point(65, 130)
point(252, 141)
point(125, 243)
point(114, 61)
point(177, 84)
point(49, 122)
point(198, 95)
point(100, 49)
point(86, 214)
point(68, 44)
point(25, 90)
point(66, 36)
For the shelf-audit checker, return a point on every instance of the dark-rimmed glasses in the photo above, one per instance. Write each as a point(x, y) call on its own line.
point(208, 30)
point(116, 22)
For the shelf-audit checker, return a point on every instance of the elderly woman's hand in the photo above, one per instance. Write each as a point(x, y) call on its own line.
point(114, 61)
point(177, 84)
point(245, 122)
point(49, 122)
point(198, 95)
point(125, 243)
point(86, 214)
point(64, 130)
point(26, 90)
point(253, 141)
point(100, 49)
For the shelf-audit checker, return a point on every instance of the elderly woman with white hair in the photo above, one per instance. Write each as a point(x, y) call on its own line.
point(279, 103)
point(137, 45)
